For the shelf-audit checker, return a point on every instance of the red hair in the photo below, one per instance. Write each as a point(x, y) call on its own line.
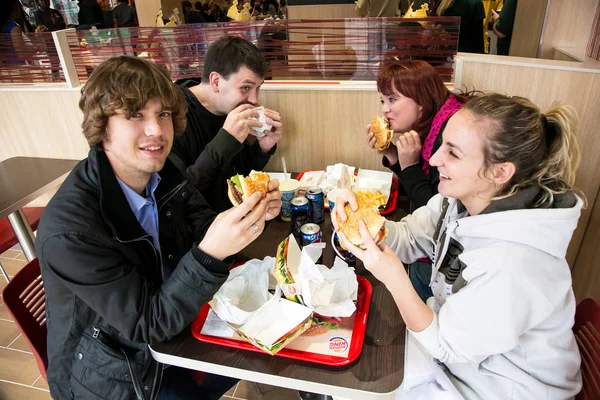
point(418, 81)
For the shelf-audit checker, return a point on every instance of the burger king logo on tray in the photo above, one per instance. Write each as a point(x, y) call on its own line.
point(338, 344)
point(290, 289)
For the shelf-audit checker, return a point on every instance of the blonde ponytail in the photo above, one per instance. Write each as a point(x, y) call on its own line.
point(543, 147)
point(564, 156)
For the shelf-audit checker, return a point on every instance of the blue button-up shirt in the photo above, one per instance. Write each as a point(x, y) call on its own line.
point(144, 207)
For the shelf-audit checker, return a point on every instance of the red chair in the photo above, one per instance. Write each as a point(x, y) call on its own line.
point(7, 235)
point(587, 334)
point(25, 300)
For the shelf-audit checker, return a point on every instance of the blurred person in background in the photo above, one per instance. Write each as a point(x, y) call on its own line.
point(124, 15)
point(190, 14)
point(472, 17)
point(503, 26)
point(48, 19)
point(14, 23)
point(90, 14)
point(491, 7)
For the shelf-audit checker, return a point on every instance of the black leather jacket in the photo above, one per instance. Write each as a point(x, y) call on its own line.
point(105, 296)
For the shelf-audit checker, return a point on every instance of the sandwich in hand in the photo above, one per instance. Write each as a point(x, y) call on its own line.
point(241, 187)
point(367, 212)
point(380, 128)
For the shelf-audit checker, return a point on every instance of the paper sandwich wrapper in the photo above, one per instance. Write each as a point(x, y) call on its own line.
point(330, 292)
point(267, 321)
point(270, 322)
point(276, 324)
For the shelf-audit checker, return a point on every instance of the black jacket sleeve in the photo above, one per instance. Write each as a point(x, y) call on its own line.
point(97, 273)
point(223, 150)
point(253, 158)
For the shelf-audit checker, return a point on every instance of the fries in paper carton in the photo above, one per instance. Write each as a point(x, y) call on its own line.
point(374, 182)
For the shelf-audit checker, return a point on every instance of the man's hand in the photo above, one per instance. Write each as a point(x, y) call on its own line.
point(391, 153)
point(273, 200)
point(237, 123)
point(236, 228)
point(409, 149)
point(271, 137)
point(344, 197)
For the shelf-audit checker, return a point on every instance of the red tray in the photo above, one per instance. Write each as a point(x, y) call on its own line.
point(391, 204)
point(363, 303)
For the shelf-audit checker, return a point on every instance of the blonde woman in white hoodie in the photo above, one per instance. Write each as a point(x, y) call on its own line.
point(501, 316)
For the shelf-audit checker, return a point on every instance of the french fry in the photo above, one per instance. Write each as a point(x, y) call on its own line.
point(377, 198)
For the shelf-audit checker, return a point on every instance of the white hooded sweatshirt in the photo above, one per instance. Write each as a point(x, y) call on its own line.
point(504, 307)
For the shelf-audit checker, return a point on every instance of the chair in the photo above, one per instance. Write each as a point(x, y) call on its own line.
point(7, 235)
point(26, 302)
point(587, 334)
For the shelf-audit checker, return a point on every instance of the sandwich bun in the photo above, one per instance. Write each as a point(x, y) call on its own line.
point(367, 212)
point(380, 128)
point(255, 182)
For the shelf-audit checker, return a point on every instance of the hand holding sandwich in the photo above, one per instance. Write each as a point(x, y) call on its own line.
point(409, 147)
point(241, 187)
point(236, 228)
point(375, 141)
point(362, 232)
point(238, 124)
point(379, 259)
point(273, 200)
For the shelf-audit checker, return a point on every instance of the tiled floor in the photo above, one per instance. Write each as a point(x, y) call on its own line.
point(19, 374)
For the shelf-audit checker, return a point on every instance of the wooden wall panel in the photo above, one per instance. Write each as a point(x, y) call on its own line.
point(527, 30)
point(324, 127)
point(568, 24)
point(582, 91)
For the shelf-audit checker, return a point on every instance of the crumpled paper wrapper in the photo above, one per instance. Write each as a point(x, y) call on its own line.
point(260, 131)
point(338, 176)
point(244, 292)
point(329, 292)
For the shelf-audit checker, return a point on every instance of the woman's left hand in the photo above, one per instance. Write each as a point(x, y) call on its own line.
point(379, 260)
point(409, 149)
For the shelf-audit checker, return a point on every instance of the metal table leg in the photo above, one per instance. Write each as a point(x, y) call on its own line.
point(22, 229)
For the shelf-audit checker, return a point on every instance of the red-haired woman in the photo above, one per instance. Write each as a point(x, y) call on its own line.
point(417, 105)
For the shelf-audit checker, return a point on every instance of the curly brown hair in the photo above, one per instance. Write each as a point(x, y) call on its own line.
point(127, 83)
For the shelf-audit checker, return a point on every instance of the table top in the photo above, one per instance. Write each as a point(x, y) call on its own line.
point(23, 179)
point(376, 374)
